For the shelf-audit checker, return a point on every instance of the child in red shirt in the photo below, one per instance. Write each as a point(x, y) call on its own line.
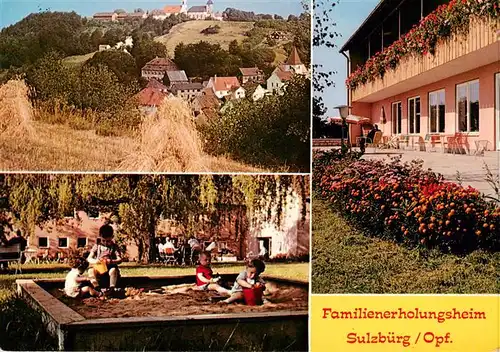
point(204, 279)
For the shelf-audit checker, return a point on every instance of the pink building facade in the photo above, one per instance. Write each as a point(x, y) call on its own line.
point(455, 90)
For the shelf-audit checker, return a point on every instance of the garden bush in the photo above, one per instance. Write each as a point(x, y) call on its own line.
point(403, 202)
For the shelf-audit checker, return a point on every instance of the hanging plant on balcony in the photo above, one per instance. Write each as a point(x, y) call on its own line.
point(448, 19)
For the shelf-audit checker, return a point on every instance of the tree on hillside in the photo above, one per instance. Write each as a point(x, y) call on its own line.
point(50, 80)
point(205, 60)
point(144, 50)
point(139, 202)
point(271, 132)
point(119, 62)
point(39, 33)
point(99, 89)
point(323, 36)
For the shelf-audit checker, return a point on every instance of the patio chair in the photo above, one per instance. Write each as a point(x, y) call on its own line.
point(377, 141)
point(462, 143)
point(481, 147)
point(452, 144)
point(169, 256)
point(422, 142)
point(405, 140)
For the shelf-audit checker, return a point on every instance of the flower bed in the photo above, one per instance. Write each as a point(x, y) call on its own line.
point(407, 204)
point(439, 25)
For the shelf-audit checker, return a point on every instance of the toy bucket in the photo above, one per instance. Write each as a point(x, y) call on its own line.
point(101, 268)
point(253, 296)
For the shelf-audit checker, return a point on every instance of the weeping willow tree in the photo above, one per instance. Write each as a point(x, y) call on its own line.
point(139, 202)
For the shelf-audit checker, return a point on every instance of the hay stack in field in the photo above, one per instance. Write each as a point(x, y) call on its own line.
point(16, 112)
point(168, 141)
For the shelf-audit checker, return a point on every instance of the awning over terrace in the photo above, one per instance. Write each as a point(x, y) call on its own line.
point(351, 119)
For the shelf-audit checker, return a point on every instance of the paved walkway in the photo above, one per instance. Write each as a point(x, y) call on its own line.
point(471, 168)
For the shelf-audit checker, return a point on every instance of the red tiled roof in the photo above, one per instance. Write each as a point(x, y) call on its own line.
point(284, 75)
point(208, 101)
point(172, 9)
point(154, 84)
point(251, 71)
point(161, 64)
point(294, 58)
point(225, 83)
point(150, 97)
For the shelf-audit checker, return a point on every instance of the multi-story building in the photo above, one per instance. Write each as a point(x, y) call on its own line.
point(186, 90)
point(157, 68)
point(428, 68)
point(251, 74)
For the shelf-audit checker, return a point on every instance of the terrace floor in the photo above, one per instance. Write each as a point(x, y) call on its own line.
point(471, 168)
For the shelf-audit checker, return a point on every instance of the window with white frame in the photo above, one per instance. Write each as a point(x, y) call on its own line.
point(43, 242)
point(414, 115)
point(81, 242)
point(396, 118)
point(62, 242)
point(437, 111)
point(468, 107)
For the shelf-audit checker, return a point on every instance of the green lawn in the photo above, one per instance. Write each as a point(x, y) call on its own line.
point(345, 261)
point(21, 328)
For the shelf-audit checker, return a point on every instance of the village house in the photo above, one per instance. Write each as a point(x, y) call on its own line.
point(176, 77)
point(105, 16)
point(132, 16)
point(450, 96)
point(105, 47)
point(223, 86)
point(206, 104)
point(259, 93)
point(149, 99)
point(157, 68)
point(186, 90)
point(156, 85)
point(251, 74)
point(278, 79)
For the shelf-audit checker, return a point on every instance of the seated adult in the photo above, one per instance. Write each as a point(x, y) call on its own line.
point(16, 239)
point(372, 132)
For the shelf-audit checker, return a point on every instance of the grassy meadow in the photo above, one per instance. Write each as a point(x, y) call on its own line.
point(189, 32)
point(34, 140)
point(346, 261)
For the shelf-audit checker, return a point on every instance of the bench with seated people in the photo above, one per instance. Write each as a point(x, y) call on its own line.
point(11, 253)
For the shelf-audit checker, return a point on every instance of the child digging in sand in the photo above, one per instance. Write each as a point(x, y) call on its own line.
point(248, 278)
point(73, 286)
point(204, 276)
point(105, 258)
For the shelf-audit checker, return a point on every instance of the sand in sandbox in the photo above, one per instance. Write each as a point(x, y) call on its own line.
point(189, 303)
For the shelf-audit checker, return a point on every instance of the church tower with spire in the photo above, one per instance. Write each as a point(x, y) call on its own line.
point(210, 7)
point(294, 64)
point(184, 8)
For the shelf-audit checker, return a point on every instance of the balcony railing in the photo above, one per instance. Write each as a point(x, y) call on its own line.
point(482, 34)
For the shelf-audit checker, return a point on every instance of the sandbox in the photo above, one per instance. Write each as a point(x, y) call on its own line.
point(165, 321)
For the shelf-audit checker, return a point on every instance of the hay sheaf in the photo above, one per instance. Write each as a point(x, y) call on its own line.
point(168, 141)
point(16, 112)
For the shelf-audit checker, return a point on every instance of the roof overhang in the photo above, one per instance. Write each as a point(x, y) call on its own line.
point(373, 20)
